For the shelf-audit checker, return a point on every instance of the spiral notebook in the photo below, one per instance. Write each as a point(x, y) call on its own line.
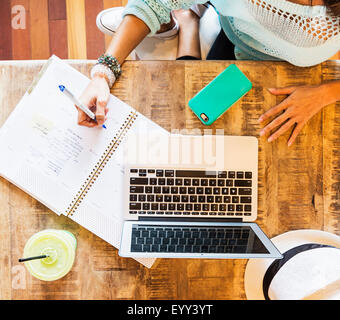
point(73, 170)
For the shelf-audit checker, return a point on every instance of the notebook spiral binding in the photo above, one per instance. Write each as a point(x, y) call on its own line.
point(98, 168)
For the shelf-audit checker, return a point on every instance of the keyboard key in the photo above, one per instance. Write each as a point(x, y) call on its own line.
point(191, 190)
point(240, 175)
point(216, 191)
point(159, 173)
point(233, 191)
point(248, 175)
point(179, 182)
point(154, 206)
point(231, 174)
point(225, 191)
point(174, 190)
point(212, 183)
point(170, 182)
point(193, 199)
point(134, 170)
point(197, 207)
point(244, 191)
point(161, 181)
point(151, 170)
point(208, 190)
point(188, 207)
point(134, 189)
point(136, 248)
point(187, 182)
point(235, 199)
point(165, 190)
point(221, 183)
point(157, 189)
point(153, 181)
point(146, 206)
point(176, 198)
point(245, 199)
point(148, 189)
point(199, 190)
point(133, 197)
point(243, 183)
point(227, 199)
point(169, 173)
point(135, 206)
point(193, 173)
point(210, 199)
point(195, 182)
point(222, 174)
point(204, 182)
point(239, 207)
point(201, 198)
point(159, 198)
point(167, 198)
point(142, 197)
point(184, 198)
point(182, 190)
point(231, 207)
point(139, 181)
point(229, 183)
point(150, 198)
point(247, 208)
point(180, 207)
point(218, 199)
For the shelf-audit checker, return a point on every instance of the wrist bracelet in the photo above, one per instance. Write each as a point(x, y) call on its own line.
point(106, 71)
point(112, 63)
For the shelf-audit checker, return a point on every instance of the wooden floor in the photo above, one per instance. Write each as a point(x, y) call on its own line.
point(66, 28)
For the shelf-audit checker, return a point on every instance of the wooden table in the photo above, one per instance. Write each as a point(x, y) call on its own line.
point(299, 187)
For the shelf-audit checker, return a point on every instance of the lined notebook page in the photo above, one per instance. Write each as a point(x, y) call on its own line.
point(44, 150)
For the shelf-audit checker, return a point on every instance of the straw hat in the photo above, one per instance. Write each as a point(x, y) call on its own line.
point(310, 269)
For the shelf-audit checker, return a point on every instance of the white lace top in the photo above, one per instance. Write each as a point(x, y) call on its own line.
point(261, 29)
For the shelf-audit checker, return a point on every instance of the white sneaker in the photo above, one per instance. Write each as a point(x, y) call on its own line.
point(109, 20)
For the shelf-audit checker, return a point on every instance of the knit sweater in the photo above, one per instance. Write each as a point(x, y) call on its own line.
point(260, 29)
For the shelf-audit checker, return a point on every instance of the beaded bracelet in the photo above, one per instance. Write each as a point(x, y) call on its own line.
point(112, 63)
point(106, 71)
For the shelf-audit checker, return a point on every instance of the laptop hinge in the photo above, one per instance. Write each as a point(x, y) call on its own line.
point(189, 219)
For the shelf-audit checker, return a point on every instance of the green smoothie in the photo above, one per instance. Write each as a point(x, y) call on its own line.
point(60, 247)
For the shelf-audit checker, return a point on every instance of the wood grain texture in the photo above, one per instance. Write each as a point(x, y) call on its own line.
point(5, 27)
point(57, 10)
point(95, 39)
point(21, 38)
point(299, 187)
point(58, 38)
point(76, 29)
point(39, 29)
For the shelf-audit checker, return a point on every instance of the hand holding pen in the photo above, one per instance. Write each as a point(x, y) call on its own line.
point(92, 107)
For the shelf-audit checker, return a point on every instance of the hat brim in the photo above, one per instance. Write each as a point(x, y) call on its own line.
point(256, 268)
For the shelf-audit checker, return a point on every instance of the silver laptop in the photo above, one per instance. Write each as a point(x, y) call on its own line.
point(196, 212)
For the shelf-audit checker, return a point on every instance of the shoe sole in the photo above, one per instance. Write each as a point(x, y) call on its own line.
point(110, 32)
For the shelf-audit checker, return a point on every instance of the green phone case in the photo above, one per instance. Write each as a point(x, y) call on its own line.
point(220, 94)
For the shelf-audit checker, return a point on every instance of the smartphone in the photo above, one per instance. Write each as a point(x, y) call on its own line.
point(220, 94)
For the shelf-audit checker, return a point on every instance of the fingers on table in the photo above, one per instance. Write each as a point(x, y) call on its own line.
point(295, 133)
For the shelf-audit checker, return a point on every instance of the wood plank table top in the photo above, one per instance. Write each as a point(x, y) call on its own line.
point(299, 187)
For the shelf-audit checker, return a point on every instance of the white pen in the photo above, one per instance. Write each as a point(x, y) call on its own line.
point(86, 110)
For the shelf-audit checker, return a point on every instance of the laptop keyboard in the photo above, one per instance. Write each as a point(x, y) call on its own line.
point(178, 239)
point(190, 192)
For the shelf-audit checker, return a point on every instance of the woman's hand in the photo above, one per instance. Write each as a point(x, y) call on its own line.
point(95, 97)
point(295, 111)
